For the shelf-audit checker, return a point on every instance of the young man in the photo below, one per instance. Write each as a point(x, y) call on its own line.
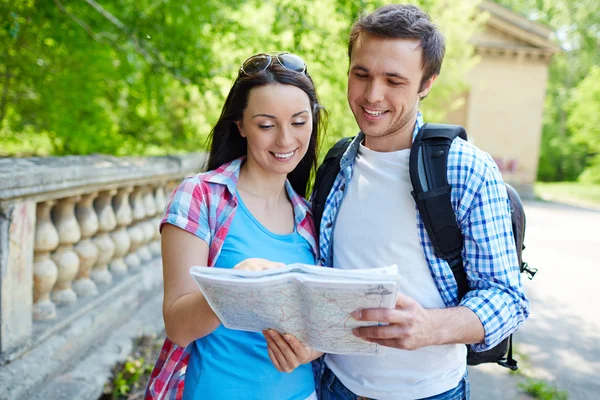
point(370, 220)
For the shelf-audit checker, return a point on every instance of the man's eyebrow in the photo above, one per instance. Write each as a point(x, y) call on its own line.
point(388, 74)
point(396, 75)
point(360, 68)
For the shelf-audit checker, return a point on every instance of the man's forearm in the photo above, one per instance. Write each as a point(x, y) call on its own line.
point(455, 325)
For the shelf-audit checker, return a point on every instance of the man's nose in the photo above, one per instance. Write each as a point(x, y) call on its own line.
point(374, 92)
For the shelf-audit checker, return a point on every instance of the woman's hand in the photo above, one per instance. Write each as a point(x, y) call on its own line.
point(286, 352)
point(258, 264)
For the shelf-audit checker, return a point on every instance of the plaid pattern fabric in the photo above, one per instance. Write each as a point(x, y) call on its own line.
point(205, 205)
point(480, 201)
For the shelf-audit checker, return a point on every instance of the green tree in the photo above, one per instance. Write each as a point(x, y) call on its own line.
point(584, 121)
point(578, 32)
point(149, 77)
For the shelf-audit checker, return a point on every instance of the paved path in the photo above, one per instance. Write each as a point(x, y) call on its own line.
point(561, 340)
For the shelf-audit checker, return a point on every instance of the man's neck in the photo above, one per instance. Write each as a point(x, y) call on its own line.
point(399, 140)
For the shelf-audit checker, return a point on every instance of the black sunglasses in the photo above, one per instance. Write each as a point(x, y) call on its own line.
point(262, 61)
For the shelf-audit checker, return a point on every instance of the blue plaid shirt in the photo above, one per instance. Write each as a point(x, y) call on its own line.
point(480, 201)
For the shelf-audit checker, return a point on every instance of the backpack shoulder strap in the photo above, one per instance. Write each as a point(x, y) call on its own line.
point(326, 174)
point(428, 173)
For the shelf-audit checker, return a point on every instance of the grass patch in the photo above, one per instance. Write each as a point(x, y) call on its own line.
point(129, 378)
point(540, 389)
point(572, 193)
point(535, 388)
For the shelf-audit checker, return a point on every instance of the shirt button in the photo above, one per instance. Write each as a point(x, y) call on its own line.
point(343, 187)
point(328, 225)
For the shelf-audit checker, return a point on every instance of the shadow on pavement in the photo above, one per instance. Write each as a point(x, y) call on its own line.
point(552, 345)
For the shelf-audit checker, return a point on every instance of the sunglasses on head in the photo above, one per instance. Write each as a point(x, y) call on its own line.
point(262, 61)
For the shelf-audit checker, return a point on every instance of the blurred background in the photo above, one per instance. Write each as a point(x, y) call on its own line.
point(148, 77)
point(89, 89)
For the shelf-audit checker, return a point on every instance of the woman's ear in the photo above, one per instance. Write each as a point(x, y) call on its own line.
point(240, 127)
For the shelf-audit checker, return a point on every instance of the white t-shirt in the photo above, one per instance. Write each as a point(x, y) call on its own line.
point(377, 226)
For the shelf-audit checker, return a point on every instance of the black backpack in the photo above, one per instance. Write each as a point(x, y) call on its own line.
point(428, 174)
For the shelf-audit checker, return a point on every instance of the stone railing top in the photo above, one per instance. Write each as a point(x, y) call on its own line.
point(42, 176)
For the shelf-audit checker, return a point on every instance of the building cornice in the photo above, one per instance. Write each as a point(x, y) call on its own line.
point(534, 36)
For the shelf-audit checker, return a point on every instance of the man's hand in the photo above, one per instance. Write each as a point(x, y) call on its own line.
point(286, 352)
point(410, 325)
point(258, 264)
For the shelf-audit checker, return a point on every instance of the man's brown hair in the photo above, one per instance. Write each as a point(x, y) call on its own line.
point(403, 21)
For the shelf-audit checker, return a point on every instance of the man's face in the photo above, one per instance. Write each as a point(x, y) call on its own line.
point(384, 90)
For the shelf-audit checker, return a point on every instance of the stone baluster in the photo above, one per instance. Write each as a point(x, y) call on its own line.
point(149, 226)
point(159, 204)
point(66, 259)
point(136, 234)
point(120, 237)
point(45, 271)
point(86, 249)
point(106, 248)
point(139, 215)
point(171, 186)
point(160, 200)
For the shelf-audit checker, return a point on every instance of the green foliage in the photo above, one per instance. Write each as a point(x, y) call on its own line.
point(584, 118)
point(149, 77)
point(127, 380)
point(539, 389)
point(130, 377)
point(592, 171)
point(584, 121)
point(565, 150)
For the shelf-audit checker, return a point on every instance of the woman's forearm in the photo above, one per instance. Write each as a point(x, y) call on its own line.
point(189, 318)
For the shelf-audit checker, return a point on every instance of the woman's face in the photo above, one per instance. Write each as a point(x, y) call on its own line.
point(277, 124)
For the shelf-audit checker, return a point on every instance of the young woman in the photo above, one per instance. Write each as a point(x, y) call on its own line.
point(248, 205)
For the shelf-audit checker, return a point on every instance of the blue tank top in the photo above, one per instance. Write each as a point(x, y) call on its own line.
point(231, 364)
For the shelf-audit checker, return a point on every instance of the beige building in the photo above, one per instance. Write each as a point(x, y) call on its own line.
point(503, 107)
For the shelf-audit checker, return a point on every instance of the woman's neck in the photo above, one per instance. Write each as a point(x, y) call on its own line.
point(256, 182)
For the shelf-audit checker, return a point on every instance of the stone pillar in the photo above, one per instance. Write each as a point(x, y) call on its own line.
point(136, 233)
point(45, 271)
point(106, 248)
point(85, 249)
point(17, 233)
point(171, 186)
point(159, 204)
point(67, 261)
point(119, 236)
point(149, 227)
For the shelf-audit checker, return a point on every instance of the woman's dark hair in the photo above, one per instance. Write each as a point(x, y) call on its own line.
point(404, 21)
point(226, 143)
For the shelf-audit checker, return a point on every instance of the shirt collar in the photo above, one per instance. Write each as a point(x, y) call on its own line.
point(350, 153)
point(418, 125)
point(228, 174)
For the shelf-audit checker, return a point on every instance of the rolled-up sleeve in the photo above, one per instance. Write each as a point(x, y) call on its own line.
point(187, 209)
point(491, 262)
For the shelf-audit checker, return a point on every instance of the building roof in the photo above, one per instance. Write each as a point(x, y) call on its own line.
point(508, 33)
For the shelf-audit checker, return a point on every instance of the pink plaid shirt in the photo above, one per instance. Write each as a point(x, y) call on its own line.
point(205, 205)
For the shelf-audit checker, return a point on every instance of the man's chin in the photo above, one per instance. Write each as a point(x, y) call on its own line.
point(370, 132)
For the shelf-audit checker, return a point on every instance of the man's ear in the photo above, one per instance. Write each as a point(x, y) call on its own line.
point(240, 127)
point(426, 87)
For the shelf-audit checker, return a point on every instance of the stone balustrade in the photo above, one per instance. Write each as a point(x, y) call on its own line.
point(70, 229)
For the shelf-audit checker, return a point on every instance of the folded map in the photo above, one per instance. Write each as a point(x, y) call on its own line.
point(310, 302)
